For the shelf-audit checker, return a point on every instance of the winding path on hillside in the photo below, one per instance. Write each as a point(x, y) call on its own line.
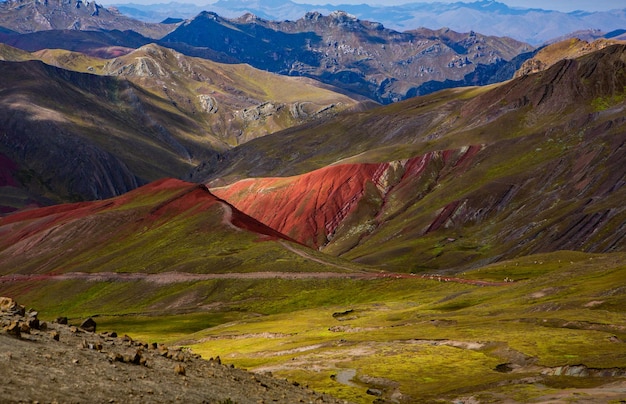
point(305, 255)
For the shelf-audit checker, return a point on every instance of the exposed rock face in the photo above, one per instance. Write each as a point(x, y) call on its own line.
point(360, 56)
point(341, 204)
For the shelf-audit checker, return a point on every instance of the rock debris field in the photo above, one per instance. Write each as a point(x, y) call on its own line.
point(60, 363)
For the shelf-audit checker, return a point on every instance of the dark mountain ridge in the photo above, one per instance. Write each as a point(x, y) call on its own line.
point(339, 49)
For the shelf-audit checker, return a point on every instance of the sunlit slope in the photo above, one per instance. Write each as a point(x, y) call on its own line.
point(334, 207)
point(233, 102)
point(165, 226)
point(556, 329)
point(576, 93)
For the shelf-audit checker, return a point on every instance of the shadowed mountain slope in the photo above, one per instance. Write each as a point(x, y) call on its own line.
point(359, 56)
point(105, 44)
point(78, 136)
point(549, 174)
point(165, 226)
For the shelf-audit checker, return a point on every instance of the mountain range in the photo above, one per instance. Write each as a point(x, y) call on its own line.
point(466, 167)
point(361, 57)
point(125, 121)
point(26, 16)
point(419, 216)
point(483, 226)
point(534, 26)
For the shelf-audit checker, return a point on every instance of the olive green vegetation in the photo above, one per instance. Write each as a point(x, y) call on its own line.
point(423, 340)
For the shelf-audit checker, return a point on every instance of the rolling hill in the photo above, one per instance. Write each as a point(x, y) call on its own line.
point(463, 246)
point(505, 202)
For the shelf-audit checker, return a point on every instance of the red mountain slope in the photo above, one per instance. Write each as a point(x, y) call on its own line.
point(312, 207)
point(167, 225)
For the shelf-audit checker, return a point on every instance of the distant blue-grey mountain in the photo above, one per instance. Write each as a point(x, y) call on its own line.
point(356, 55)
point(533, 26)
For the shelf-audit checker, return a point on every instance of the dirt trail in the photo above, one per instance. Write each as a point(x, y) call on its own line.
point(303, 254)
point(178, 277)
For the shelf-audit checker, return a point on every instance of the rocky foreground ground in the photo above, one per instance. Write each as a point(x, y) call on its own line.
point(61, 363)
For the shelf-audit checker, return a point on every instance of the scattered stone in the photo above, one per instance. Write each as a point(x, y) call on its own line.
point(55, 335)
point(61, 320)
point(344, 315)
point(88, 325)
point(504, 368)
point(8, 305)
point(33, 323)
point(14, 329)
point(179, 369)
point(374, 392)
point(24, 327)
